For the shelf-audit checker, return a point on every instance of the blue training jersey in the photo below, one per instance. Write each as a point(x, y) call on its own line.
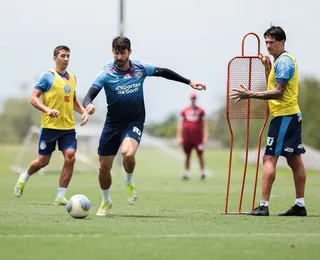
point(284, 69)
point(46, 81)
point(124, 92)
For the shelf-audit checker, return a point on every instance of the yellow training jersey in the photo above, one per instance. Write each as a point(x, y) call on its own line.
point(288, 104)
point(58, 94)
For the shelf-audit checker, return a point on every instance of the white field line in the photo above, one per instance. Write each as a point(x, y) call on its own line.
point(48, 235)
point(226, 235)
point(213, 235)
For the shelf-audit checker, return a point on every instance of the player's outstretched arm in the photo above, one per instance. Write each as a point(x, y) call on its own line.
point(37, 103)
point(171, 75)
point(88, 99)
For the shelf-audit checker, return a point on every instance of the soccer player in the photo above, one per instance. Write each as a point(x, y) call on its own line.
point(122, 81)
point(284, 135)
point(57, 88)
point(192, 133)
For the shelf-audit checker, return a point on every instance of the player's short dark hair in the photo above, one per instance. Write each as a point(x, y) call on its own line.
point(121, 43)
point(59, 48)
point(277, 32)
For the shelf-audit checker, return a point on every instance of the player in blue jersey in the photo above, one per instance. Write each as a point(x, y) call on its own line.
point(58, 103)
point(122, 81)
point(284, 134)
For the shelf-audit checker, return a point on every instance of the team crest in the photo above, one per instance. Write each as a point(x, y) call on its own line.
point(42, 145)
point(67, 89)
point(138, 74)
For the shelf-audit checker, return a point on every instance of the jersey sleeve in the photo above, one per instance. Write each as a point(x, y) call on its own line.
point(284, 69)
point(45, 82)
point(150, 69)
point(99, 81)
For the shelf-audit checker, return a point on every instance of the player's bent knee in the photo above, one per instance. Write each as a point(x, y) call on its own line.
point(128, 158)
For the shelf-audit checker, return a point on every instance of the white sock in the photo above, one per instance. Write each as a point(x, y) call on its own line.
point(24, 176)
point(203, 172)
point(264, 203)
point(106, 195)
point(300, 202)
point(187, 173)
point(61, 192)
point(129, 178)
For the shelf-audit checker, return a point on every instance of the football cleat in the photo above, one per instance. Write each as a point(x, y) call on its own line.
point(18, 189)
point(60, 201)
point(104, 208)
point(259, 211)
point(295, 211)
point(132, 194)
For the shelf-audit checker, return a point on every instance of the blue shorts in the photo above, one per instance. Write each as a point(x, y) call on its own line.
point(66, 139)
point(284, 136)
point(111, 138)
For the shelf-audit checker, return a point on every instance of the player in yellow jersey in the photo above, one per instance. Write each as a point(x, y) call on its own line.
point(284, 135)
point(57, 88)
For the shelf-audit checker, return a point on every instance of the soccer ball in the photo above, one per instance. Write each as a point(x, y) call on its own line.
point(78, 206)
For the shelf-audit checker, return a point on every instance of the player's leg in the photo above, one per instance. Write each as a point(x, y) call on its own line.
point(130, 140)
point(108, 147)
point(200, 152)
point(292, 151)
point(270, 159)
point(105, 181)
point(35, 166)
point(268, 177)
point(67, 143)
point(299, 176)
point(47, 144)
point(187, 148)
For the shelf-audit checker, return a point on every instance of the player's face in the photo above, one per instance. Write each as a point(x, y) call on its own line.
point(193, 101)
point(274, 47)
point(121, 58)
point(62, 59)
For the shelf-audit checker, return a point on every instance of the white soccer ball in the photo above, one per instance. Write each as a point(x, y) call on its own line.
point(78, 206)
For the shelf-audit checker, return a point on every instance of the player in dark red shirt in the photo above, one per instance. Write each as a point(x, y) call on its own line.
point(192, 132)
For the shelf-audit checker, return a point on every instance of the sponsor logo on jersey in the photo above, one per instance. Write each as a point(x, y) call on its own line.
point(128, 89)
point(67, 89)
point(127, 76)
point(138, 74)
point(66, 98)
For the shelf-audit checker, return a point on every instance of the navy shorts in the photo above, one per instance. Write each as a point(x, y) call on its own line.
point(111, 138)
point(66, 139)
point(284, 136)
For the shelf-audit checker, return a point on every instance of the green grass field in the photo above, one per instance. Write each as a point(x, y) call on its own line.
point(172, 219)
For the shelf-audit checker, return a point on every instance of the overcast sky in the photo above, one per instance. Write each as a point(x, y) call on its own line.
point(195, 38)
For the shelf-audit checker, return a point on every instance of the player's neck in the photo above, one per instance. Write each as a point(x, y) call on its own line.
point(275, 56)
point(126, 67)
point(61, 71)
